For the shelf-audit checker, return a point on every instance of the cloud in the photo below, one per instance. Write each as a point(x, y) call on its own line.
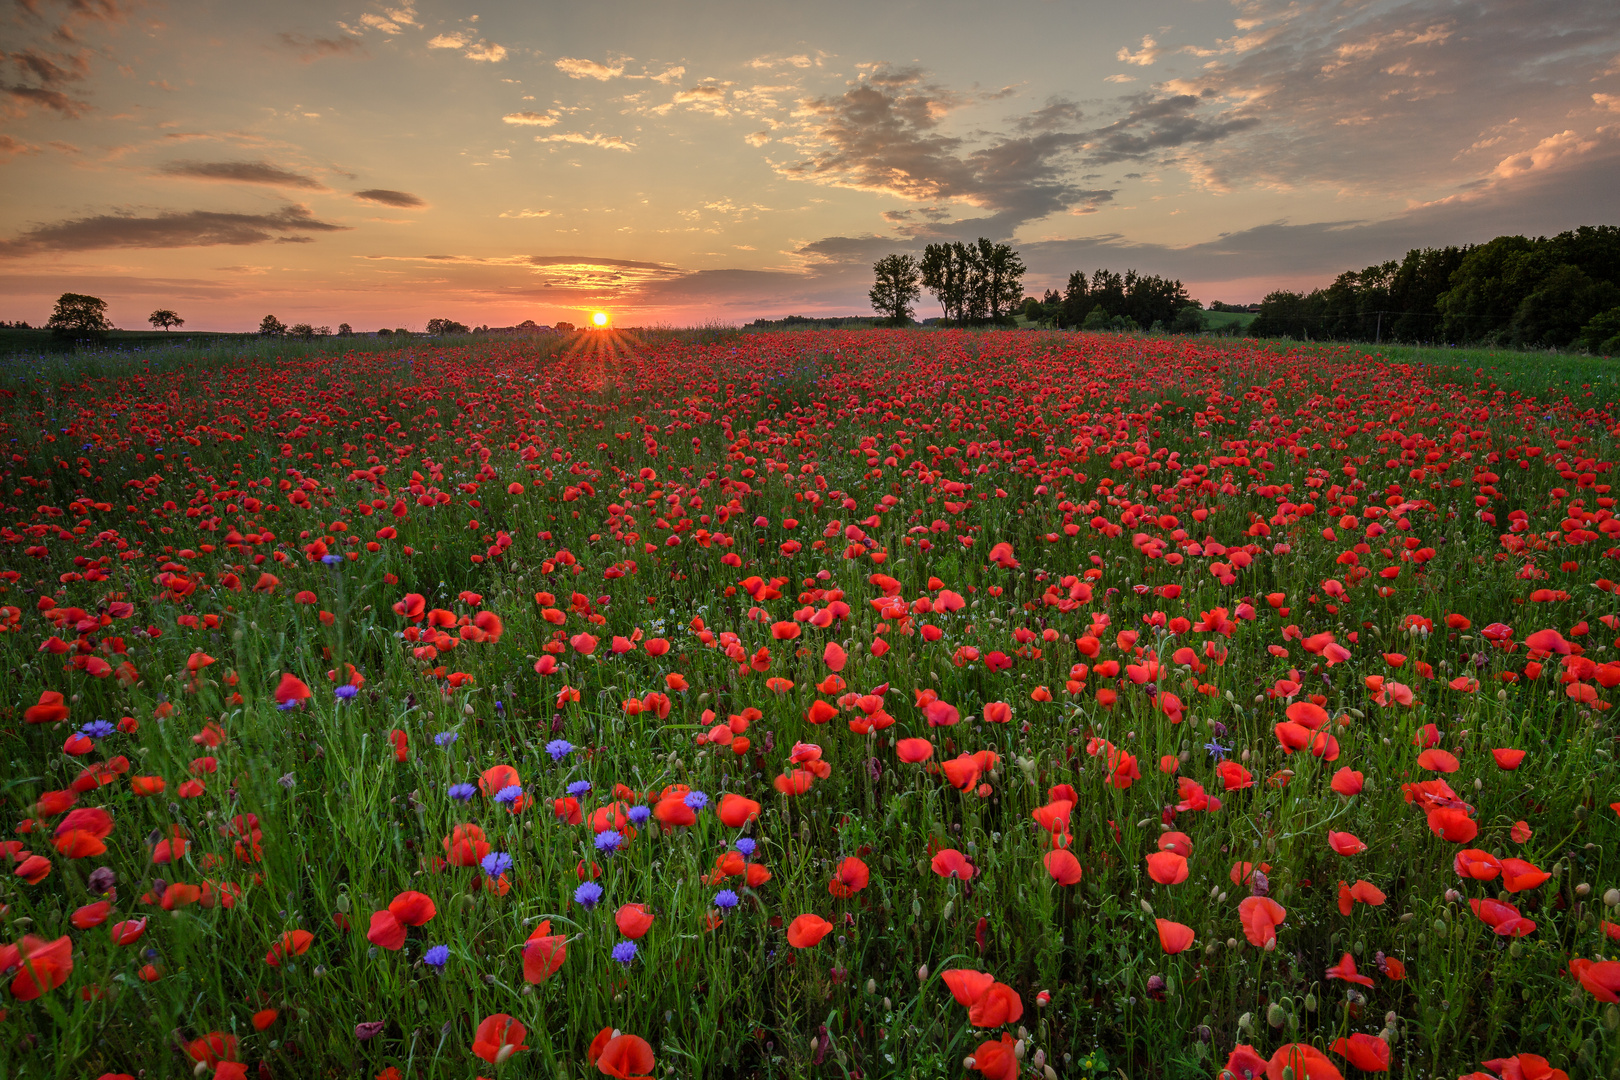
point(605, 142)
point(1546, 154)
point(10, 147)
point(392, 20)
point(533, 119)
point(193, 228)
point(471, 49)
point(311, 49)
point(525, 213)
point(757, 138)
point(402, 199)
point(576, 68)
point(669, 76)
point(242, 172)
point(708, 97)
point(798, 60)
point(883, 135)
point(1160, 123)
point(1345, 91)
point(1143, 57)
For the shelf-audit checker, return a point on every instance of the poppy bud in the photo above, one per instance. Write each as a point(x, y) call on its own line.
point(1583, 890)
point(922, 974)
point(1612, 898)
point(1048, 1073)
point(1043, 999)
point(1275, 1015)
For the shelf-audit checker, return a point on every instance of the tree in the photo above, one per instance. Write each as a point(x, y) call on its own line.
point(344, 329)
point(1189, 320)
point(303, 331)
point(564, 327)
point(446, 326)
point(1002, 276)
point(79, 316)
point(895, 288)
point(163, 318)
point(270, 326)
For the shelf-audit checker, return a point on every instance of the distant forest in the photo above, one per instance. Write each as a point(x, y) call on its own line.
point(1560, 292)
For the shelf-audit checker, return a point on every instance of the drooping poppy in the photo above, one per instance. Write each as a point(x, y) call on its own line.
point(851, 877)
point(1061, 864)
point(1345, 843)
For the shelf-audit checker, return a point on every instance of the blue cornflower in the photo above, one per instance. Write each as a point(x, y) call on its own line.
point(608, 841)
point(579, 787)
point(332, 559)
point(509, 794)
point(287, 706)
point(499, 707)
point(437, 957)
point(746, 846)
point(559, 749)
point(445, 738)
point(624, 952)
point(638, 815)
point(462, 792)
point(725, 899)
point(1216, 750)
point(696, 800)
point(588, 895)
point(98, 729)
point(496, 863)
point(346, 691)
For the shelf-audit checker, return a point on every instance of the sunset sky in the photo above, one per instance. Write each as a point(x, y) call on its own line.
point(680, 162)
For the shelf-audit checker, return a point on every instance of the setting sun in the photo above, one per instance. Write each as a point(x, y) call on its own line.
point(600, 318)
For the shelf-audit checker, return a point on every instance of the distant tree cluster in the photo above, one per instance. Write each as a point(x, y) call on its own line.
point(976, 284)
point(1560, 292)
point(437, 327)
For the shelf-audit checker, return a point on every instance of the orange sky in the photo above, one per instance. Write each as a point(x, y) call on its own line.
point(679, 163)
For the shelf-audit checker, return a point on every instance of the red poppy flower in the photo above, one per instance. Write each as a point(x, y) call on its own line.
point(1346, 969)
point(41, 965)
point(1366, 1052)
point(807, 930)
point(1174, 937)
point(997, 1060)
point(633, 920)
point(1306, 1061)
point(1167, 867)
point(952, 863)
point(1063, 866)
point(498, 1037)
point(851, 877)
point(736, 811)
point(628, 1057)
point(291, 943)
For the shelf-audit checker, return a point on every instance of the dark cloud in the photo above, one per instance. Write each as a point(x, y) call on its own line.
point(44, 70)
point(402, 199)
point(243, 172)
point(24, 96)
point(193, 228)
point(311, 49)
point(1157, 124)
point(883, 135)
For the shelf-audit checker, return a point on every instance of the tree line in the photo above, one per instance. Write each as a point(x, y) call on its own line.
point(1558, 292)
point(981, 284)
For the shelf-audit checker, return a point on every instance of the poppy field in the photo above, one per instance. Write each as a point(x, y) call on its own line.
point(834, 704)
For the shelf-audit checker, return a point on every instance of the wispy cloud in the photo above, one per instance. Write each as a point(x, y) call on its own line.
point(386, 197)
point(1142, 57)
point(580, 138)
point(192, 228)
point(548, 118)
point(576, 68)
point(242, 172)
point(311, 49)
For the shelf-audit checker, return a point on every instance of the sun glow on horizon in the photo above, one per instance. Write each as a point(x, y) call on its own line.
point(600, 318)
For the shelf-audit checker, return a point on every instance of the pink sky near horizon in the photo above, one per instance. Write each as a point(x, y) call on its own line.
point(383, 164)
